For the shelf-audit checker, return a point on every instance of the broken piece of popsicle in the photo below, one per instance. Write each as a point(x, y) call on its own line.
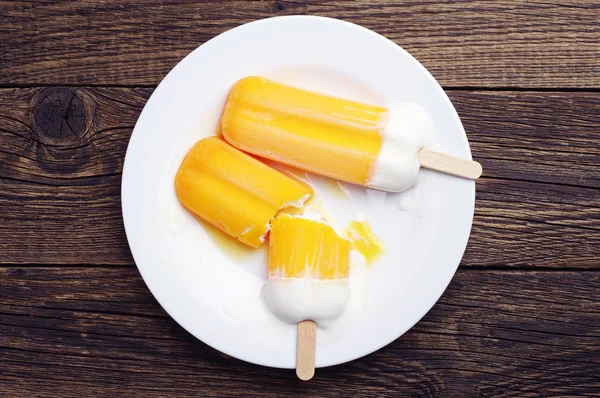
point(234, 191)
point(374, 146)
point(309, 266)
point(363, 239)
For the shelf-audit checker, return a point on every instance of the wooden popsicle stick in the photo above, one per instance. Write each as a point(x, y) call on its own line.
point(305, 351)
point(447, 164)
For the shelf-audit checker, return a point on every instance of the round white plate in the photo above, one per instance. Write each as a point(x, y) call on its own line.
point(211, 286)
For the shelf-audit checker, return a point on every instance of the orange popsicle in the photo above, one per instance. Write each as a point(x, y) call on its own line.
point(309, 266)
point(364, 240)
point(233, 191)
point(350, 141)
point(305, 248)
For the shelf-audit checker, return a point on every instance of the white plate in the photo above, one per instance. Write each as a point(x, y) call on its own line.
point(210, 289)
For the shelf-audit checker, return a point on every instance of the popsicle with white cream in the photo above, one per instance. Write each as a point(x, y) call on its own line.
point(374, 146)
point(308, 284)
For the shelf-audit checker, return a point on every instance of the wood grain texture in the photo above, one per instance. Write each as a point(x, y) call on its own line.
point(463, 43)
point(61, 157)
point(539, 201)
point(62, 150)
point(532, 136)
point(83, 332)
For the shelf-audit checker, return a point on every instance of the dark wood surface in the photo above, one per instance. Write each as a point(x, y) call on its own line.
point(495, 333)
point(463, 43)
point(522, 316)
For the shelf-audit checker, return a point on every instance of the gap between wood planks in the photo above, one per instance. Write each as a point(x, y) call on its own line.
point(462, 267)
point(556, 89)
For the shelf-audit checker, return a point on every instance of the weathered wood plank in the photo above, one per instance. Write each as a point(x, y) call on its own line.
point(541, 137)
point(540, 202)
point(61, 157)
point(463, 43)
point(525, 224)
point(85, 331)
point(62, 150)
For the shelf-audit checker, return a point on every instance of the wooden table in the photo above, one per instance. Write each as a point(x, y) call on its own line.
point(522, 315)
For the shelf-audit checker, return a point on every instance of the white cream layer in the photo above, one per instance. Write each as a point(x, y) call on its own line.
point(294, 300)
point(408, 130)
